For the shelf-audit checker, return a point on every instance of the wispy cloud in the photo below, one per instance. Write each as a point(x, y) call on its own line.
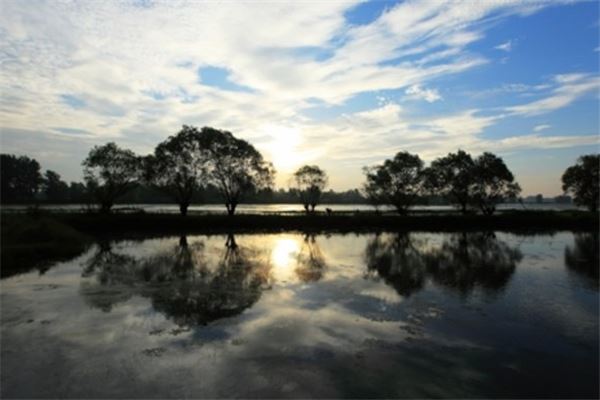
point(417, 92)
point(506, 46)
point(539, 128)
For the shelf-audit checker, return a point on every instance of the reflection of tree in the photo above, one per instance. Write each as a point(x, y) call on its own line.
point(184, 283)
point(463, 262)
point(311, 262)
point(398, 261)
point(469, 260)
point(584, 257)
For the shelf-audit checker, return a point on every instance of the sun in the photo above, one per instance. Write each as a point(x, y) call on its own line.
point(283, 147)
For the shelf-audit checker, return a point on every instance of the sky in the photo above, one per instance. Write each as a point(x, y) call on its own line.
point(339, 84)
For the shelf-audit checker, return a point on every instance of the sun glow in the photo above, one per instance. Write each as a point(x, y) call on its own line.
point(283, 148)
point(283, 257)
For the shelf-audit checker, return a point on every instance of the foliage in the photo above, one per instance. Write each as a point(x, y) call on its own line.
point(234, 166)
point(310, 180)
point(582, 180)
point(109, 172)
point(178, 166)
point(55, 189)
point(20, 178)
point(452, 177)
point(493, 183)
point(398, 182)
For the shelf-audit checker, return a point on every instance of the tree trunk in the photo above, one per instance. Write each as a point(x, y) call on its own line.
point(231, 208)
point(306, 208)
point(105, 207)
point(183, 208)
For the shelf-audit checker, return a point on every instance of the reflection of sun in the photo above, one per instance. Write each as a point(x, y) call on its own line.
point(283, 258)
point(283, 147)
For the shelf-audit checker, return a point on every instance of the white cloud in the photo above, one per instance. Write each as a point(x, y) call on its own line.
point(506, 46)
point(429, 95)
point(567, 89)
point(541, 127)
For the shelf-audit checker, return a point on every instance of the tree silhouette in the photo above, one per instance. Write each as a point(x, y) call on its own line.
point(109, 172)
point(56, 190)
point(178, 166)
point(452, 177)
point(20, 178)
point(398, 182)
point(583, 181)
point(493, 183)
point(235, 167)
point(310, 180)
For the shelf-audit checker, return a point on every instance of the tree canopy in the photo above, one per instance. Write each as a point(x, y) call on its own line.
point(452, 177)
point(582, 180)
point(310, 181)
point(493, 183)
point(110, 172)
point(398, 181)
point(20, 178)
point(178, 166)
point(235, 167)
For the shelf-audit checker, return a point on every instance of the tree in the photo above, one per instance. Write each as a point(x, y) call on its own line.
point(310, 181)
point(109, 172)
point(56, 190)
point(493, 183)
point(452, 177)
point(20, 178)
point(398, 182)
point(582, 180)
point(234, 166)
point(178, 166)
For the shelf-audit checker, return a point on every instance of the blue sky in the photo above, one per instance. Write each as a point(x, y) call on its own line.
point(340, 84)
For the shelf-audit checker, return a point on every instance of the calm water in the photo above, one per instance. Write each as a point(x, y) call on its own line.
point(289, 315)
point(276, 208)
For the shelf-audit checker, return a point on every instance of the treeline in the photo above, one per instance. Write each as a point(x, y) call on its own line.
point(208, 165)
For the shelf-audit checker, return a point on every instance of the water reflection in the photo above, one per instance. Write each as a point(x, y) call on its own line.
point(583, 258)
point(311, 261)
point(183, 282)
point(463, 262)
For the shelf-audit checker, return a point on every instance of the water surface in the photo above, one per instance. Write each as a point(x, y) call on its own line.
point(291, 315)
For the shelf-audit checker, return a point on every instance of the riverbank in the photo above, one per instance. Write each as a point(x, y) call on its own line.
point(148, 223)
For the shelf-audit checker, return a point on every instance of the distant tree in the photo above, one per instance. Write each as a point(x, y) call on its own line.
point(55, 189)
point(582, 180)
point(310, 180)
point(452, 177)
point(109, 172)
point(493, 183)
point(178, 166)
point(78, 193)
point(398, 182)
point(234, 166)
point(539, 198)
point(20, 178)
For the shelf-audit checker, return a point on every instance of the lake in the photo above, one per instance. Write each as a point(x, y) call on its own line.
point(476, 314)
point(278, 208)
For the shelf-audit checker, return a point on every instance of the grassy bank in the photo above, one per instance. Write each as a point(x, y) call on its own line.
point(36, 242)
point(144, 223)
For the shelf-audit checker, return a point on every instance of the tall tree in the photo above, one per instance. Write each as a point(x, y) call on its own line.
point(310, 180)
point(55, 189)
point(493, 183)
point(452, 177)
point(109, 172)
point(178, 166)
point(20, 178)
point(234, 166)
point(398, 181)
point(582, 180)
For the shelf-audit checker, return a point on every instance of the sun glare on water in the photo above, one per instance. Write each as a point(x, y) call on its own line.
point(283, 257)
